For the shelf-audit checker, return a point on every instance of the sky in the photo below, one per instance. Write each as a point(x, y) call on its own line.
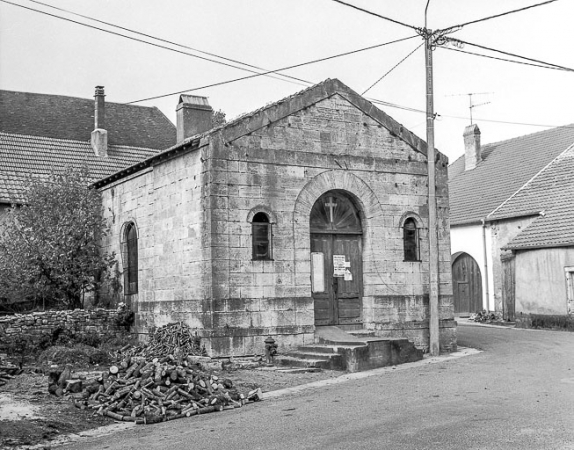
point(45, 54)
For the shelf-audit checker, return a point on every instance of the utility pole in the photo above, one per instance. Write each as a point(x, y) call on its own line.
point(434, 346)
point(434, 342)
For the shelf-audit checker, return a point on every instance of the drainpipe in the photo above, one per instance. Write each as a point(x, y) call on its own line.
point(485, 261)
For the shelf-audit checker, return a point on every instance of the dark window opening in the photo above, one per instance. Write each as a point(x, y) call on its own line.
point(411, 240)
point(261, 234)
point(130, 258)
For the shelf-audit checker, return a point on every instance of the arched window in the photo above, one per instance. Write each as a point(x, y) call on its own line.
point(130, 259)
point(261, 236)
point(411, 240)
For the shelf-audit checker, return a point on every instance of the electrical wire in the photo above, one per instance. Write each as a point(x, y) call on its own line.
point(271, 71)
point(508, 122)
point(546, 64)
point(499, 15)
point(165, 40)
point(507, 60)
point(393, 68)
point(375, 14)
point(144, 41)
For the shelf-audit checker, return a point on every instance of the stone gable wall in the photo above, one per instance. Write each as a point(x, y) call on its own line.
point(195, 237)
point(39, 326)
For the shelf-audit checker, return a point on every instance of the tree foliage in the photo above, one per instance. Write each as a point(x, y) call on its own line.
point(218, 118)
point(50, 246)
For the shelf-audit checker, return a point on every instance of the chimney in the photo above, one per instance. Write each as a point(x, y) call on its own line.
point(194, 116)
point(100, 135)
point(471, 147)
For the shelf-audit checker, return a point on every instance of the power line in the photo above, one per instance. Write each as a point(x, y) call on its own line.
point(163, 40)
point(375, 14)
point(509, 122)
point(506, 60)
point(394, 105)
point(546, 64)
point(499, 15)
point(272, 71)
point(393, 68)
point(144, 41)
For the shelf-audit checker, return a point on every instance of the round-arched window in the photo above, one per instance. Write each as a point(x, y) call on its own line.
point(261, 236)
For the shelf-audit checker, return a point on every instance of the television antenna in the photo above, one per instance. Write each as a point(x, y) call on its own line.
point(472, 105)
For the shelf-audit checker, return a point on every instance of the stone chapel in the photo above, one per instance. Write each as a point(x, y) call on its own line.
point(309, 212)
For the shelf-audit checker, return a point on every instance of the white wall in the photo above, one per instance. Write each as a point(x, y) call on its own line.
point(469, 239)
point(541, 286)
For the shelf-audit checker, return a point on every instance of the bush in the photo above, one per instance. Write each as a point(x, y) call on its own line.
point(125, 319)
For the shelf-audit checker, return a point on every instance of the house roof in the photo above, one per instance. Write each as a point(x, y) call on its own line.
point(505, 167)
point(72, 118)
point(550, 194)
point(273, 112)
point(21, 156)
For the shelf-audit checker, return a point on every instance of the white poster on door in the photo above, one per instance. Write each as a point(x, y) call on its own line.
point(339, 266)
point(317, 272)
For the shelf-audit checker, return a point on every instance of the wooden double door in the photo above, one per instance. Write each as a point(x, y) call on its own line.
point(337, 261)
point(340, 302)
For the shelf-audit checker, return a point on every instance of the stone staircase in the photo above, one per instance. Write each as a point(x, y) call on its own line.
point(351, 351)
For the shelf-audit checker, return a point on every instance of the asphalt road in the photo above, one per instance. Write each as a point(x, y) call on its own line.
point(518, 393)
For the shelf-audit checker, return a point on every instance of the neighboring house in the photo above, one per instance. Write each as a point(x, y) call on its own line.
point(497, 194)
point(40, 132)
point(309, 212)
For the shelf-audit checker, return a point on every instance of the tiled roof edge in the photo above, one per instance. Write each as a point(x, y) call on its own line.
point(81, 98)
point(515, 247)
point(524, 186)
point(538, 212)
point(87, 141)
point(189, 144)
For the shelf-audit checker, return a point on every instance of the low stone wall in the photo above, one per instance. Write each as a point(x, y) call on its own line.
point(37, 327)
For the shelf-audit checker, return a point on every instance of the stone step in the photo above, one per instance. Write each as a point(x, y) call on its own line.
point(327, 348)
point(292, 361)
point(361, 334)
point(306, 354)
point(334, 335)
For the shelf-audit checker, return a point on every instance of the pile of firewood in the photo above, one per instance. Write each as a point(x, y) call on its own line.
point(150, 391)
point(171, 339)
point(7, 372)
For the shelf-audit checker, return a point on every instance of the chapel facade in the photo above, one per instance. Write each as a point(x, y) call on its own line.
point(309, 212)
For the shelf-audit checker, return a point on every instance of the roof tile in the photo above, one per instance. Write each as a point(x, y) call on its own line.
point(505, 167)
point(23, 155)
point(72, 118)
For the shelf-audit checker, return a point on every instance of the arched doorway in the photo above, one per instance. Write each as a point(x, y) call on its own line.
point(466, 284)
point(337, 260)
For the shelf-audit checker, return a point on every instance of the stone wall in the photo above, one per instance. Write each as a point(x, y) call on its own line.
point(40, 326)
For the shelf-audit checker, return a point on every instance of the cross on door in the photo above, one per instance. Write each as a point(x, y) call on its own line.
point(331, 205)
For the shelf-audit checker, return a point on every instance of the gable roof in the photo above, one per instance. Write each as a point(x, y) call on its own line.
point(505, 167)
point(551, 194)
point(273, 112)
point(40, 132)
point(72, 118)
point(21, 156)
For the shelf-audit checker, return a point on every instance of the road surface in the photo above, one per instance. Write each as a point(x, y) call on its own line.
point(518, 393)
